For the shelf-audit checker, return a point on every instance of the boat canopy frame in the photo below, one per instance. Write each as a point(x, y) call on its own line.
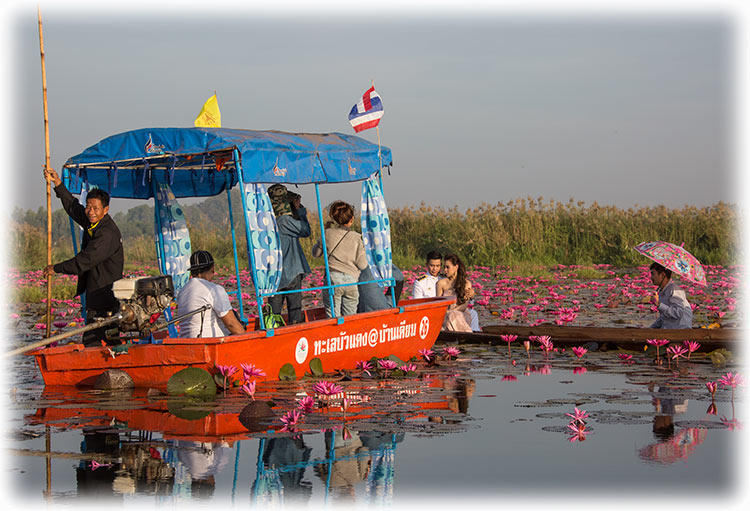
point(205, 162)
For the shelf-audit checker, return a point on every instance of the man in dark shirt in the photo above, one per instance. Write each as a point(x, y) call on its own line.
point(99, 262)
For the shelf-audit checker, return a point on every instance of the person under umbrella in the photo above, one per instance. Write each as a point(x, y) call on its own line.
point(671, 301)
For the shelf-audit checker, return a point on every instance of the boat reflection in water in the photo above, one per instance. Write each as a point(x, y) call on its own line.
point(135, 443)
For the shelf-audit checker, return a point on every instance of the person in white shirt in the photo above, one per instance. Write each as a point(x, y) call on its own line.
point(220, 320)
point(424, 286)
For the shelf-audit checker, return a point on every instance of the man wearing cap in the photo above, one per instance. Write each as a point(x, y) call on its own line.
point(291, 221)
point(200, 291)
point(99, 262)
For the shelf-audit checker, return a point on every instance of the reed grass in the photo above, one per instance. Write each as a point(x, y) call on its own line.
point(526, 234)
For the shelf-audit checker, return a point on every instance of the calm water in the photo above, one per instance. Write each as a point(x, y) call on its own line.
point(477, 428)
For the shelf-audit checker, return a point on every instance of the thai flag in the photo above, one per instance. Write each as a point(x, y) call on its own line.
point(367, 112)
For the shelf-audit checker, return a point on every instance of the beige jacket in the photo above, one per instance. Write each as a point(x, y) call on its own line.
point(346, 253)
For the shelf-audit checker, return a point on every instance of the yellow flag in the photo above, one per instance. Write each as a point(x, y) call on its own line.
point(209, 117)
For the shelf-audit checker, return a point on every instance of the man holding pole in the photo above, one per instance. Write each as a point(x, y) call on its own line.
point(99, 262)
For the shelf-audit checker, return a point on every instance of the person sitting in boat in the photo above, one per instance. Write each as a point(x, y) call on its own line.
point(671, 301)
point(457, 317)
point(199, 291)
point(346, 259)
point(291, 220)
point(372, 297)
point(100, 261)
point(425, 286)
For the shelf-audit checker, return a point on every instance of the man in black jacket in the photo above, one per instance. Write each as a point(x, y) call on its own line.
point(99, 262)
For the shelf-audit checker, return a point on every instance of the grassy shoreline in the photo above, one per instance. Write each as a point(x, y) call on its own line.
point(521, 232)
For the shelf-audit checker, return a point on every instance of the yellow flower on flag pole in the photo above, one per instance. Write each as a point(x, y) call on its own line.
point(209, 116)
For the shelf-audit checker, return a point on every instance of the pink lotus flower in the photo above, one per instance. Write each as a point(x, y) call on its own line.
point(732, 380)
point(290, 420)
point(327, 388)
point(60, 324)
point(579, 351)
point(364, 366)
point(387, 365)
point(580, 370)
point(625, 356)
point(306, 404)
point(691, 347)
point(711, 386)
point(451, 352)
point(508, 377)
point(657, 343)
point(711, 410)
point(527, 345)
point(545, 344)
point(408, 368)
point(426, 353)
point(509, 338)
point(676, 351)
point(578, 416)
point(226, 370)
point(40, 326)
point(249, 389)
point(250, 371)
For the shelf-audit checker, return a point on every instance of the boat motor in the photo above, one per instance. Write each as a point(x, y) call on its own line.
point(142, 301)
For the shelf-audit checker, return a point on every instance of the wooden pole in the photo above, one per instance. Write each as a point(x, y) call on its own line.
point(49, 185)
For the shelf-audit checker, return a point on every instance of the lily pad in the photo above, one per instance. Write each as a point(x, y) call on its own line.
point(316, 367)
point(721, 356)
point(192, 382)
point(396, 359)
point(286, 373)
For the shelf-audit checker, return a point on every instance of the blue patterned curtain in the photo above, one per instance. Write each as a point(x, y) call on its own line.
point(175, 234)
point(376, 230)
point(264, 237)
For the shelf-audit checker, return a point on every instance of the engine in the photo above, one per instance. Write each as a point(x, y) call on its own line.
point(142, 300)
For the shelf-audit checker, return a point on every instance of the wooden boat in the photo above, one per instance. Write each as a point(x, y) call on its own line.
point(339, 343)
point(165, 163)
point(709, 339)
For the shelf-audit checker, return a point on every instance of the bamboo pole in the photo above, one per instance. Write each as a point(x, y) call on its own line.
point(49, 185)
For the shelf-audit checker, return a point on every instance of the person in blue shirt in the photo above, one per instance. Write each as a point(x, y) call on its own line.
point(671, 301)
point(292, 224)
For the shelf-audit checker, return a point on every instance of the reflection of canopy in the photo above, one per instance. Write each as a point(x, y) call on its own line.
point(680, 446)
point(191, 160)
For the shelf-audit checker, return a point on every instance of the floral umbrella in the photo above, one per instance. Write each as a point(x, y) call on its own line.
point(674, 258)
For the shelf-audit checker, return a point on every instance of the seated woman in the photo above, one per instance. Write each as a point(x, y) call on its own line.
point(457, 317)
point(346, 259)
point(671, 301)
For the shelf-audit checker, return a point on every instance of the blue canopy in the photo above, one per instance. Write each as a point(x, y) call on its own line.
point(198, 162)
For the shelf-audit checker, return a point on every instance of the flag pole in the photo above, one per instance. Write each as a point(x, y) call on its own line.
point(46, 166)
point(380, 157)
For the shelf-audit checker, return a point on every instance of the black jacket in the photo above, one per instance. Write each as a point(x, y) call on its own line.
point(100, 261)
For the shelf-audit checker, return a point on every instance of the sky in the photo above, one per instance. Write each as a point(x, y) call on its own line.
point(482, 105)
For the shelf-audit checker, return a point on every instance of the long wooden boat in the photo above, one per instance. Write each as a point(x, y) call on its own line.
point(709, 339)
point(339, 343)
point(166, 163)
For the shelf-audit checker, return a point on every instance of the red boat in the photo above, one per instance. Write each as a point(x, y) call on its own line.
point(339, 343)
point(201, 162)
